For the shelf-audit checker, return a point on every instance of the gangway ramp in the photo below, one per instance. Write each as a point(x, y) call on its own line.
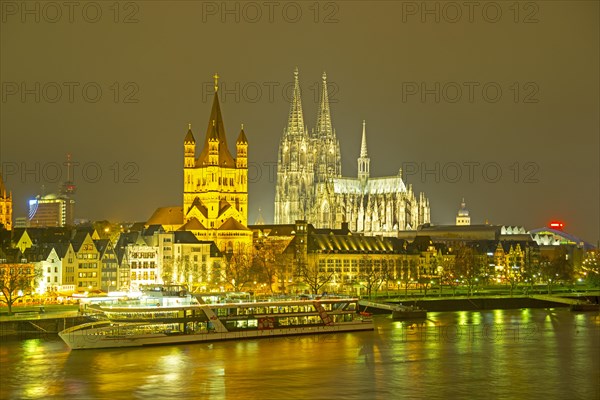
point(555, 299)
point(382, 306)
point(399, 311)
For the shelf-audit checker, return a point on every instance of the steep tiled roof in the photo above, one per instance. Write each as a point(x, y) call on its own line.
point(232, 225)
point(192, 225)
point(185, 237)
point(166, 216)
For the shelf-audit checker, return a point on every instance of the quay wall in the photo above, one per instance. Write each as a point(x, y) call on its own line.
point(38, 326)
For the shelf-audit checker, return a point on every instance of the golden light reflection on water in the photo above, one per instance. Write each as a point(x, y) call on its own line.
point(40, 375)
point(448, 350)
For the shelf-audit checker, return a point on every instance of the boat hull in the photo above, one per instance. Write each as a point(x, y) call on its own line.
point(414, 314)
point(585, 307)
point(93, 339)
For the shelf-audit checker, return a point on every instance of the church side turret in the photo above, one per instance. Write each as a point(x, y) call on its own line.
point(364, 160)
point(241, 148)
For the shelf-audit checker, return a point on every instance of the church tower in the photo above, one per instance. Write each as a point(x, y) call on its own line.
point(215, 188)
point(363, 160)
point(462, 217)
point(295, 166)
point(328, 162)
point(5, 206)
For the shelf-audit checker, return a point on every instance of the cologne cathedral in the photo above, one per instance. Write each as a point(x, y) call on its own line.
point(310, 185)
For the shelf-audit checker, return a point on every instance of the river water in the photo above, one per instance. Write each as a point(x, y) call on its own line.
point(502, 354)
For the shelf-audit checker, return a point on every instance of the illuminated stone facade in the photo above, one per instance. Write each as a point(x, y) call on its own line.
point(5, 206)
point(310, 185)
point(215, 187)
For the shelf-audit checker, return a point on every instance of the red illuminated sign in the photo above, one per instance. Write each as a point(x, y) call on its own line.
point(557, 225)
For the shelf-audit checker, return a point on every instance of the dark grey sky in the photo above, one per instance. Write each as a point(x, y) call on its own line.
point(525, 122)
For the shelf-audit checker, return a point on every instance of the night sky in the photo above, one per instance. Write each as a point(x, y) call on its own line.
point(498, 101)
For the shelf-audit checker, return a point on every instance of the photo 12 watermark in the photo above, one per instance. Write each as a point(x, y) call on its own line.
point(454, 12)
point(253, 12)
point(268, 92)
point(70, 92)
point(526, 172)
point(69, 12)
point(469, 92)
point(118, 172)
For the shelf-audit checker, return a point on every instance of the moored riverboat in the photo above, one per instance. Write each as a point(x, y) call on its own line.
point(191, 321)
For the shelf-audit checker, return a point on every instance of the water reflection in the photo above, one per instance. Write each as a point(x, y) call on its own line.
point(485, 354)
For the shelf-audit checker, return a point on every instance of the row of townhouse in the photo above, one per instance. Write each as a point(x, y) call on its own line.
point(69, 261)
point(155, 256)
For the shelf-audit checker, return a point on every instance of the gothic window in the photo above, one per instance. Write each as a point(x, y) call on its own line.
point(325, 213)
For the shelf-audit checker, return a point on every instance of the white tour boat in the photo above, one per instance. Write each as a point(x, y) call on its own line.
point(169, 315)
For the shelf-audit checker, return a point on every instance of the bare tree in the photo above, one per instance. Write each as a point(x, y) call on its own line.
point(513, 276)
point(269, 262)
point(466, 267)
point(371, 274)
point(312, 275)
point(187, 272)
point(560, 268)
point(408, 273)
point(238, 268)
point(16, 281)
point(448, 275)
point(167, 270)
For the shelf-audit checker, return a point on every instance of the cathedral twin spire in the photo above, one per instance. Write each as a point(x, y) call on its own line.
point(304, 159)
point(296, 117)
point(324, 127)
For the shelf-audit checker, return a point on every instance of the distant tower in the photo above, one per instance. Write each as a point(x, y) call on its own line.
point(363, 160)
point(5, 206)
point(462, 218)
point(68, 187)
point(67, 190)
